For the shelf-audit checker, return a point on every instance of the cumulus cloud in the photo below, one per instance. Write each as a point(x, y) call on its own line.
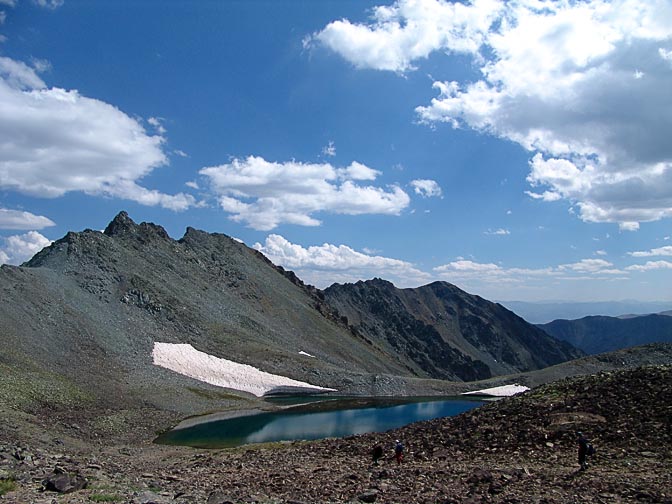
point(660, 251)
point(54, 141)
point(591, 266)
point(463, 265)
point(426, 188)
point(409, 30)
point(19, 248)
point(580, 84)
point(265, 194)
point(323, 265)
point(463, 270)
point(650, 266)
point(16, 219)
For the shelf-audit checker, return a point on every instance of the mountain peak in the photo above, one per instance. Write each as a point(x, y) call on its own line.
point(121, 224)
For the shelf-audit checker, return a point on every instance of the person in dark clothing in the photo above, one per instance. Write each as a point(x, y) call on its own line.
point(583, 451)
point(377, 453)
point(398, 452)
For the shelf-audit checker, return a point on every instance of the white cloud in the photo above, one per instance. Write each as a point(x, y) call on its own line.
point(18, 75)
point(661, 251)
point(3, 16)
point(10, 3)
point(545, 196)
point(497, 232)
point(409, 30)
point(19, 248)
point(650, 266)
point(181, 153)
point(329, 150)
point(322, 265)
point(157, 124)
point(426, 188)
point(463, 265)
point(587, 266)
point(601, 252)
point(580, 84)
point(16, 219)
point(49, 4)
point(56, 141)
point(265, 194)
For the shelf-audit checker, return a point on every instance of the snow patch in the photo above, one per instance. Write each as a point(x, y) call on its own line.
point(503, 391)
point(305, 353)
point(186, 360)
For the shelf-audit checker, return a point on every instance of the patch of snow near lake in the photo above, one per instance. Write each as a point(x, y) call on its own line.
point(503, 391)
point(186, 360)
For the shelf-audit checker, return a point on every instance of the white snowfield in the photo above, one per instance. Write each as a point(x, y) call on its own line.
point(503, 391)
point(186, 360)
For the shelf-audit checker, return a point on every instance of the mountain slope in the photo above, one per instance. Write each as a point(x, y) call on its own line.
point(80, 319)
point(89, 308)
point(444, 332)
point(604, 334)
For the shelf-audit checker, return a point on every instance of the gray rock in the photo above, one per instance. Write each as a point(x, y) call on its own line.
point(368, 496)
point(65, 483)
point(148, 497)
point(219, 497)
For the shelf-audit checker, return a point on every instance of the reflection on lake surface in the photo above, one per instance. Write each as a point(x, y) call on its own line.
point(316, 420)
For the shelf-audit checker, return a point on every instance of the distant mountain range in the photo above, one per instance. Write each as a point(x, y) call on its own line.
point(81, 318)
point(544, 312)
point(600, 334)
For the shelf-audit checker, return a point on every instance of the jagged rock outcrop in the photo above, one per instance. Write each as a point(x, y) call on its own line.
point(443, 332)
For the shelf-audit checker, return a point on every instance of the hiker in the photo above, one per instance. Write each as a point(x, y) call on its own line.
point(377, 453)
point(398, 451)
point(583, 451)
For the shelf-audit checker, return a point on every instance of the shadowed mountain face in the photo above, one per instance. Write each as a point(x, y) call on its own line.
point(84, 313)
point(605, 334)
point(442, 331)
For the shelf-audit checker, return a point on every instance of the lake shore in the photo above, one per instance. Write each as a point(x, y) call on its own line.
point(521, 449)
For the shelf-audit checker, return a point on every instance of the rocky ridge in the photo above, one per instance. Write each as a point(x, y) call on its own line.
point(443, 332)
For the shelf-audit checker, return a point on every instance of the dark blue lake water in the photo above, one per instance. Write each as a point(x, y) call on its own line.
point(316, 420)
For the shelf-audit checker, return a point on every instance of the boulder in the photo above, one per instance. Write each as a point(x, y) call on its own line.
point(64, 482)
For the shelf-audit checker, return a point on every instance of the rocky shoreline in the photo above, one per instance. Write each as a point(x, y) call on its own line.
point(517, 450)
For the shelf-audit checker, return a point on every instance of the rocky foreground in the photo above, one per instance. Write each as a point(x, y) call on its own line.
point(517, 450)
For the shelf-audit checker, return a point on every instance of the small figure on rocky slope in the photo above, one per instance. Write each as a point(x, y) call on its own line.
point(583, 451)
point(398, 452)
point(377, 453)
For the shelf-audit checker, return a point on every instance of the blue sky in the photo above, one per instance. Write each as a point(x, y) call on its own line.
point(520, 150)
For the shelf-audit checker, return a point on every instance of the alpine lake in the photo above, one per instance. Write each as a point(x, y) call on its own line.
point(317, 417)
